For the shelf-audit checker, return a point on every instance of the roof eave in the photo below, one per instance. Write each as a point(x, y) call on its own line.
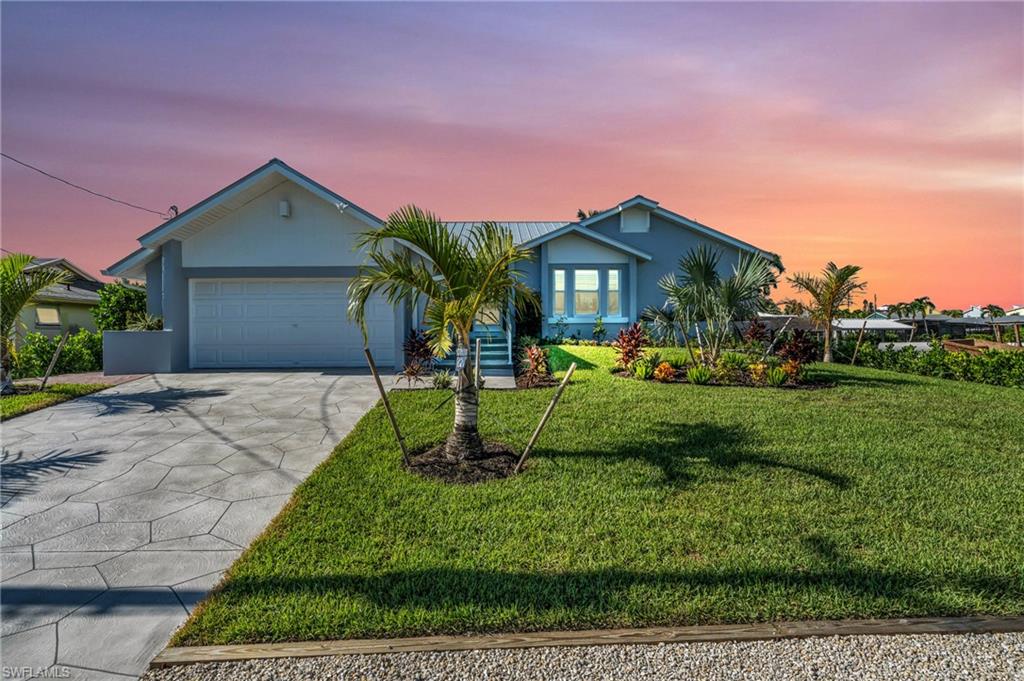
point(576, 228)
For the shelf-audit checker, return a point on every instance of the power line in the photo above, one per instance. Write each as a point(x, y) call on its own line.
point(163, 214)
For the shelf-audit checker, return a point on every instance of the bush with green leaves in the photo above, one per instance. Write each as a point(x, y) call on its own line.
point(442, 380)
point(699, 375)
point(599, 333)
point(82, 352)
point(643, 367)
point(996, 367)
point(775, 376)
point(120, 303)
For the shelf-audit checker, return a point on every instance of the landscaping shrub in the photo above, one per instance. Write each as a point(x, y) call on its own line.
point(800, 347)
point(776, 376)
point(82, 352)
point(146, 322)
point(119, 304)
point(793, 369)
point(757, 371)
point(731, 367)
point(442, 380)
point(629, 345)
point(599, 333)
point(643, 367)
point(700, 375)
point(534, 366)
point(664, 372)
point(996, 367)
point(417, 349)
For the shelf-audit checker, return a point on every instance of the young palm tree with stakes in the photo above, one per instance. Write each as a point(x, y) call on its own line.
point(457, 279)
point(829, 292)
point(17, 289)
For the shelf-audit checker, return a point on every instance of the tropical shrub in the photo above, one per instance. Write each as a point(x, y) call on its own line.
point(82, 352)
point(145, 322)
point(664, 372)
point(776, 376)
point(442, 380)
point(417, 348)
point(120, 302)
point(793, 369)
point(643, 367)
point(731, 367)
point(800, 347)
point(629, 345)
point(535, 366)
point(599, 333)
point(757, 371)
point(699, 375)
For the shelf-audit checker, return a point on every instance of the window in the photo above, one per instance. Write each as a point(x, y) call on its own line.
point(47, 316)
point(588, 293)
point(614, 304)
point(558, 308)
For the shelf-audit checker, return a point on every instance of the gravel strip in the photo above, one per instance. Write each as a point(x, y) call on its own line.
point(961, 656)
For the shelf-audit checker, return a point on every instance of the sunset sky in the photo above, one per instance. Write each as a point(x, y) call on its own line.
point(886, 135)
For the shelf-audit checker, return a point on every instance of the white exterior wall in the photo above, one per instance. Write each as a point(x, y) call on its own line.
point(573, 249)
point(255, 235)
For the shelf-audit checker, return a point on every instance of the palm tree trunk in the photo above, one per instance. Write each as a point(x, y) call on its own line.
point(827, 355)
point(464, 441)
point(6, 384)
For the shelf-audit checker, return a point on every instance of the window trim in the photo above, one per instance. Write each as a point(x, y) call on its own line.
point(569, 316)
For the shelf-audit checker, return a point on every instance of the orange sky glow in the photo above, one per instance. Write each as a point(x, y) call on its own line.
point(886, 135)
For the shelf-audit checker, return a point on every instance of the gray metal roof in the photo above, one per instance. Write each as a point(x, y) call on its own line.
point(521, 231)
point(67, 294)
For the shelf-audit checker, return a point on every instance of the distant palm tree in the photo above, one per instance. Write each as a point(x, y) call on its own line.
point(457, 279)
point(953, 312)
point(582, 214)
point(17, 288)
point(993, 311)
point(896, 310)
point(793, 306)
point(925, 306)
point(829, 292)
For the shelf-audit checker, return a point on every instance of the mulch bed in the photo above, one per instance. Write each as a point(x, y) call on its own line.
point(548, 381)
point(744, 382)
point(498, 462)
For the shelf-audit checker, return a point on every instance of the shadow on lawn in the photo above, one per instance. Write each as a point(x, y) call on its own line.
point(562, 358)
point(597, 594)
point(679, 449)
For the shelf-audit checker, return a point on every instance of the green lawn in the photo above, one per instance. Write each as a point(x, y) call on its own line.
point(647, 504)
point(25, 402)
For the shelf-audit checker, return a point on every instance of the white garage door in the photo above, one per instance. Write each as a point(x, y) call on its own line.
point(283, 323)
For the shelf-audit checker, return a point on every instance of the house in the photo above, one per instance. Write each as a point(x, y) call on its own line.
point(58, 308)
point(256, 276)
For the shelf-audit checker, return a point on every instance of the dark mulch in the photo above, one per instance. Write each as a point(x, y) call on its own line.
point(524, 383)
point(807, 383)
point(498, 462)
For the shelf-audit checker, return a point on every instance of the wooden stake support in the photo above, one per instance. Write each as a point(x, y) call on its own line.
point(544, 419)
point(387, 405)
point(53, 360)
point(860, 337)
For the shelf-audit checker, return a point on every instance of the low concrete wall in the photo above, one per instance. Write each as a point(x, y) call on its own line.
point(137, 352)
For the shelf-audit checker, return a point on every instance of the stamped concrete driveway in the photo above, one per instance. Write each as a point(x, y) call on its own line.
point(122, 509)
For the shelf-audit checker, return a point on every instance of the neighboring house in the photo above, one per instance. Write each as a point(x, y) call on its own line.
point(58, 308)
point(973, 312)
point(1015, 311)
point(256, 276)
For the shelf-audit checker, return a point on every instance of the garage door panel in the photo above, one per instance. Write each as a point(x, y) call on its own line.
point(284, 323)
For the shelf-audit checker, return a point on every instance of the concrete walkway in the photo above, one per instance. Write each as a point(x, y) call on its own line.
point(122, 509)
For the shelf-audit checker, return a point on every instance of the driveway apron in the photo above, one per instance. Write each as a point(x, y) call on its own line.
point(122, 509)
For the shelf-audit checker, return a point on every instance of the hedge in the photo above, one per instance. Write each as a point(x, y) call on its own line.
point(82, 352)
point(996, 367)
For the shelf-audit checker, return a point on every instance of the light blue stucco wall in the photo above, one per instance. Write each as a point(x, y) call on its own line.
point(667, 242)
point(154, 287)
point(175, 304)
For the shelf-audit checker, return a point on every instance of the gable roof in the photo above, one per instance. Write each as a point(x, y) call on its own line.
point(640, 201)
point(62, 263)
point(240, 192)
point(578, 228)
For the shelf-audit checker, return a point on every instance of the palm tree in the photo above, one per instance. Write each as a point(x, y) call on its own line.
point(17, 288)
point(711, 304)
point(897, 310)
point(992, 311)
point(953, 312)
point(829, 292)
point(457, 279)
point(794, 307)
point(925, 306)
